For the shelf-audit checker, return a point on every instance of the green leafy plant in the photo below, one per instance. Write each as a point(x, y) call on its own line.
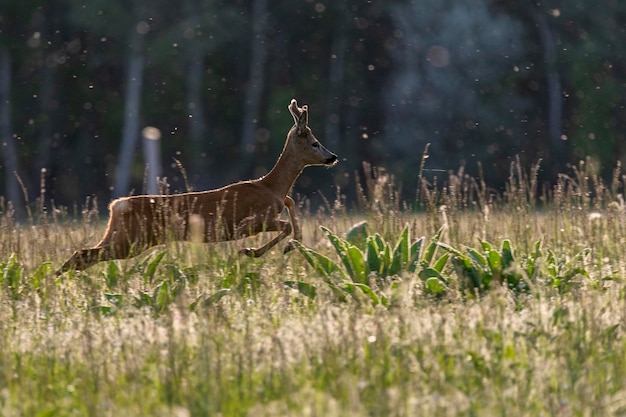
point(376, 262)
point(478, 270)
point(12, 274)
point(163, 282)
point(561, 272)
point(158, 290)
point(236, 280)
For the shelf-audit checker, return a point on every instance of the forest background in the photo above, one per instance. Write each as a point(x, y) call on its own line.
point(482, 81)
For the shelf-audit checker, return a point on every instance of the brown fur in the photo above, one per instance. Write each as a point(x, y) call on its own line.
point(228, 213)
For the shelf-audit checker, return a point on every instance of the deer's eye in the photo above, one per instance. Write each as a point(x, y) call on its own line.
point(316, 144)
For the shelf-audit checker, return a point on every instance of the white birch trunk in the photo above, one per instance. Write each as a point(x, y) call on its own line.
point(152, 157)
point(132, 106)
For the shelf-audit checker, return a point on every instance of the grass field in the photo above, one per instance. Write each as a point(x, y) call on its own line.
point(511, 304)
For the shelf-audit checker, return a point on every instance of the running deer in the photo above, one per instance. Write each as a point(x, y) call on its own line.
point(232, 212)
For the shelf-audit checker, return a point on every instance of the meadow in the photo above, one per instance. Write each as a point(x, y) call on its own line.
point(467, 301)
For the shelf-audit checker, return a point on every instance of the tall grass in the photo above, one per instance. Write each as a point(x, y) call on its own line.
point(195, 330)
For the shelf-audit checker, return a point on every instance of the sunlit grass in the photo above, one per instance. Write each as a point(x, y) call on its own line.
point(193, 329)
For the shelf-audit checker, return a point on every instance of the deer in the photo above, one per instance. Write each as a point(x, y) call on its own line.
point(233, 212)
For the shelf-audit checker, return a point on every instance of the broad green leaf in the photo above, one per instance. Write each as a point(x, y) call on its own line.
point(338, 243)
point(414, 254)
point(112, 275)
point(426, 273)
point(495, 261)
point(507, 254)
point(357, 234)
point(144, 299)
point(341, 246)
point(148, 275)
point(383, 300)
point(441, 262)
point(402, 247)
point(438, 234)
point(107, 310)
point(387, 260)
point(210, 300)
point(374, 262)
point(12, 275)
point(396, 261)
point(486, 246)
point(551, 264)
point(115, 299)
point(531, 268)
point(161, 297)
point(349, 288)
point(430, 252)
point(467, 272)
point(215, 297)
point(429, 272)
point(40, 274)
point(339, 292)
point(380, 243)
point(477, 257)
point(174, 272)
point(435, 286)
point(357, 263)
point(450, 249)
point(319, 262)
point(303, 288)
point(573, 272)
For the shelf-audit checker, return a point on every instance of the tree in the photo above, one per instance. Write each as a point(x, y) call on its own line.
point(256, 82)
point(132, 106)
point(452, 85)
point(7, 141)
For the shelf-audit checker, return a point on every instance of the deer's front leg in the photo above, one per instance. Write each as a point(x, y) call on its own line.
point(297, 233)
point(275, 225)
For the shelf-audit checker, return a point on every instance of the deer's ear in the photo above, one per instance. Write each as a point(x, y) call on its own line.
point(303, 120)
point(294, 110)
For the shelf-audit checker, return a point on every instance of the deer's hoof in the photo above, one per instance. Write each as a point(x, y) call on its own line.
point(251, 252)
point(289, 247)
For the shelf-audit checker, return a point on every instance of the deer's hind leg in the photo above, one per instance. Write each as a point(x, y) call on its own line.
point(115, 244)
point(81, 259)
point(104, 251)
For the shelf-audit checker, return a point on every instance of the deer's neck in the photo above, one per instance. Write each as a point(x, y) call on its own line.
point(281, 178)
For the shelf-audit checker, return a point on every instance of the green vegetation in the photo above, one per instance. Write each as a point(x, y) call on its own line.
point(491, 305)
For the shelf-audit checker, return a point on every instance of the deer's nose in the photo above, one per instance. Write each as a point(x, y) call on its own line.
point(332, 160)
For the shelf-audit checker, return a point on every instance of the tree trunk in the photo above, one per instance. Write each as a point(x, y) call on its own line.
point(152, 158)
point(7, 141)
point(132, 106)
point(197, 125)
point(256, 81)
point(553, 80)
point(335, 82)
point(48, 116)
point(48, 109)
point(195, 75)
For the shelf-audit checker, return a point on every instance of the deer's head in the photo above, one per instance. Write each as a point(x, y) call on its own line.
point(310, 150)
